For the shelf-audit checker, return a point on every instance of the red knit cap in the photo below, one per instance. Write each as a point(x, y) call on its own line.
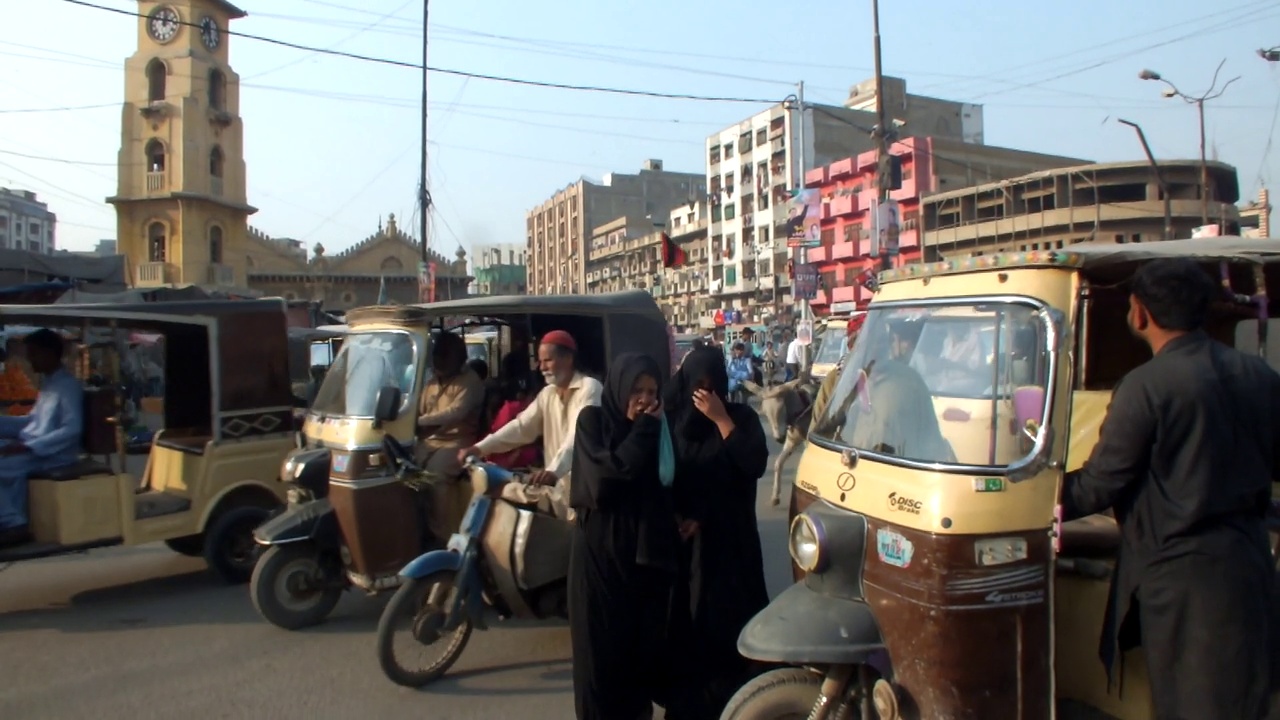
point(561, 338)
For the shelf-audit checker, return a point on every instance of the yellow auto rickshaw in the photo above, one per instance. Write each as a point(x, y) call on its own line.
point(211, 470)
point(938, 582)
point(353, 521)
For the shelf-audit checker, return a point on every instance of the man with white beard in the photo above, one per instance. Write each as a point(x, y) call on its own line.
point(553, 415)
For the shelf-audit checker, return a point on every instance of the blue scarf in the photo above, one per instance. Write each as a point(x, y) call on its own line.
point(666, 456)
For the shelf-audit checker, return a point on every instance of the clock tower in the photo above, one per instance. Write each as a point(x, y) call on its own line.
point(181, 206)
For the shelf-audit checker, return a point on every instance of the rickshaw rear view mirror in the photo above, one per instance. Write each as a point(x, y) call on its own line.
point(386, 407)
point(1039, 457)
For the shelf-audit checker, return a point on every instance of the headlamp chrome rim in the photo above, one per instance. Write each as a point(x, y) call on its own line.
point(814, 561)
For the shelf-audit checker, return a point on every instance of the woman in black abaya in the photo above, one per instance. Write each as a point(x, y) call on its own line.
point(625, 547)
point(721, 453)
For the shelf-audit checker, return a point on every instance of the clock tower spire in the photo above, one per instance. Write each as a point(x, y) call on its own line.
point(181, 205)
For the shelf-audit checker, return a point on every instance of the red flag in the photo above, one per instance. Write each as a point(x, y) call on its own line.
point(672, 254)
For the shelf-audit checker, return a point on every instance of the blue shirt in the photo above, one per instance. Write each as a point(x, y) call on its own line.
point(739, 368)
point(53, 428)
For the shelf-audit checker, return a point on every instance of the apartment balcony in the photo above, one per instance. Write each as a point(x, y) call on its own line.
point(815, 177)
point(820, 299)
point(155, 274)
point(842, 168)
point(156, 181)
point(778, 146)
point(844, 250)
point(215, 186)
point(818, 254)
point(842, 205)
point(866, 161)
point(909, 239)
point(777, 131)
point(748, 219)
point(844, 293)
point(908, 191)
point(221, 275)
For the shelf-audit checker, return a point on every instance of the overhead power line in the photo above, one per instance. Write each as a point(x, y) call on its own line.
point(451, 71)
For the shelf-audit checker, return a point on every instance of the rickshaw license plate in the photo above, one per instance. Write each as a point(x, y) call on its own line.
point(893, 548)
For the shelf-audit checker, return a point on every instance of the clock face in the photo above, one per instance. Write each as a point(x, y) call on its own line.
point(209, 32)
point(163, 24)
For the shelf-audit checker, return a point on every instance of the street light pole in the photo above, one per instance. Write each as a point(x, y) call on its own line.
point(1155, 170)
point(883, 181)
point(1211, 94)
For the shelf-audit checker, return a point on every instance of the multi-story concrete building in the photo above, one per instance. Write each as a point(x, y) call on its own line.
point(26, 223)
point(682, 294)
point(1109, 202)
point(849, 191)
point(499, 269)
point(559, 229)
point(624, 254)
point(753, 165)
point(1255, 217)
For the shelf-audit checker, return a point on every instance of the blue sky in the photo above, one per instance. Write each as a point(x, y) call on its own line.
point(332, 143)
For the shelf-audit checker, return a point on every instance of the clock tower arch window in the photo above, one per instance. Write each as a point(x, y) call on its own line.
point(157, 77)
point(217, 90)
point(156, 242)
point(216, 161)
point(215, 244)
point(155, 156)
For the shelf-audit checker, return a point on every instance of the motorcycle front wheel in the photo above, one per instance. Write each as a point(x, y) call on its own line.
point(415, 617)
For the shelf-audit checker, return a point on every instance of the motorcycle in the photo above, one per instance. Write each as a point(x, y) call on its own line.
point(506, 555)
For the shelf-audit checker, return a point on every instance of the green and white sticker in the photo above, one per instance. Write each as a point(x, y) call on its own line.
point(988, 484)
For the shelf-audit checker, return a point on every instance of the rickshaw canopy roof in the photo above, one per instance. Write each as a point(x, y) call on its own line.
point(139, 315)
point(1101, 255)
point(231, 356)
point(629, 301)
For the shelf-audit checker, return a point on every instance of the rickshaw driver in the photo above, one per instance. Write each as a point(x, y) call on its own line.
point(449, 419)
point(1186, 457)
point(47, 438)
point(553, 415)
point(896, 405)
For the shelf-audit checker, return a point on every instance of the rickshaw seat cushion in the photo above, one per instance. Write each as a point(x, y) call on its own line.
point(84, 467)
point(1092, 536)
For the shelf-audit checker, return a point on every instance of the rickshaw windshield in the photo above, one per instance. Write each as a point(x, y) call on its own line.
point(367, 363)
point(831, 349)
point(956, 384)
point(478, 351)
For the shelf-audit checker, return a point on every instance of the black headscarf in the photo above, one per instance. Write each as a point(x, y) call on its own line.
point(686, 421)
point(625, 370)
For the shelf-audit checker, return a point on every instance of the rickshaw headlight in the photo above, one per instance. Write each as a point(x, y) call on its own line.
point(808, 543)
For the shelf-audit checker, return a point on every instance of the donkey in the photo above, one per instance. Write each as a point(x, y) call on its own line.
point(789, 409)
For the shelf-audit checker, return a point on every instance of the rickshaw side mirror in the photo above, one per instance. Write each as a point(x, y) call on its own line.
point(386, 407)
point(1039, 457)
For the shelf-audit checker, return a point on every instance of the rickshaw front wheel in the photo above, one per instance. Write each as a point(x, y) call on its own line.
point(418, 607)
point(229, 547)
point(783, 694)
point(291, 588)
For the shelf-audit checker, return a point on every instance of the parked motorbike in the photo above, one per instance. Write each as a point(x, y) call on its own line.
point(511, 557)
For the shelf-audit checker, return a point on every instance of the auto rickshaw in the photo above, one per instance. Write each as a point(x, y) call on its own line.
point(211, 474)
point(938, 580)
point(351, 521)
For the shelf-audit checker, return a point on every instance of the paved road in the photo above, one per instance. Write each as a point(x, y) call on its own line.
point(143, 633)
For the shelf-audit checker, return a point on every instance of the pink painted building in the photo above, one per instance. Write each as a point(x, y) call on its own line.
point(929, 165)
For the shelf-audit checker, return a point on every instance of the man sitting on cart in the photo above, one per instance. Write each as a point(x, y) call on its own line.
point(448, 419)
point(47, 438)
point(553, 415)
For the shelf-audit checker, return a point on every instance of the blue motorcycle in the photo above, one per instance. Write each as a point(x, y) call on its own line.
point(508, 556)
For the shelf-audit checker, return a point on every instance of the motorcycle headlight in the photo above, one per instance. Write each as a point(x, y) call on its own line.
point(808, 544)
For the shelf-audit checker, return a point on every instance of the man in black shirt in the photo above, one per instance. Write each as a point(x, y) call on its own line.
point(1185, 458)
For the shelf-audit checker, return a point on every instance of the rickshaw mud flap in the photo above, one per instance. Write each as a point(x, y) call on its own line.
point(313, 520)
point(802, 627)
